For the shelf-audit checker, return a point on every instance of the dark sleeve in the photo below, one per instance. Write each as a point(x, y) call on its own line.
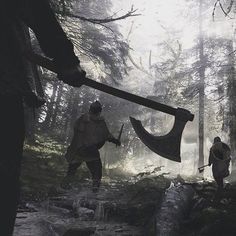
point(78, 125)
point(38, 15)
point(110, 137)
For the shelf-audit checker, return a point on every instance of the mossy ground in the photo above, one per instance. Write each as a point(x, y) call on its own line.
point(43, 168)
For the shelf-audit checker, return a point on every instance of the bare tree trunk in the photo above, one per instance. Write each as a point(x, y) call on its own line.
point(201, 88)
point(231, 92)
point(175, 205)
point(71, 113)
point(57, 103)
point(50, 105)
point(75, 107)
point(68, 125)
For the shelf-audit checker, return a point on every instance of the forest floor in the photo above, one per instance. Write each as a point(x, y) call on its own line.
point(124, 205)
point(210, 215)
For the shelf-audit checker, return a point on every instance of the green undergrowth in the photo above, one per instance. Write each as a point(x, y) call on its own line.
point(43, 168)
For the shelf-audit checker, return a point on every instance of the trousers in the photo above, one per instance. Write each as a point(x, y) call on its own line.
point(94, 166)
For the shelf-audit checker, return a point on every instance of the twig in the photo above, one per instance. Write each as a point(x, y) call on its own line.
point(226, 13)
point(130, 13)
point(213, 13)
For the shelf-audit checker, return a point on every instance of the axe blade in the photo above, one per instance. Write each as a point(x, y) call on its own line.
point(167, 146)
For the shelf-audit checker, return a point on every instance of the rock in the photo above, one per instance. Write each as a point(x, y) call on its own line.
point(80, 231)
point(119, 230)
point(58, 210)
point(99, 214)
point(225, 201)
point(175, 205)
point(200, 204)
point(51, 228)
point(85, 213)
point(87, 203)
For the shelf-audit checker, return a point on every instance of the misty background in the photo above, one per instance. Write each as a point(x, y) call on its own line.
point(180, 53)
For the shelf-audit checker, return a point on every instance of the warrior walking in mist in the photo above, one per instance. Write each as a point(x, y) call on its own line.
point(90, 134)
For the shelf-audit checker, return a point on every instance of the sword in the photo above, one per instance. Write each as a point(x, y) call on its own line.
point(119, 136)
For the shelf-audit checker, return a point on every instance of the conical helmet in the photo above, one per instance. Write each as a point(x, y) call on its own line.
point(95, 107)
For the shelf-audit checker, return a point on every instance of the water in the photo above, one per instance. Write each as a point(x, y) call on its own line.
point(100, 212)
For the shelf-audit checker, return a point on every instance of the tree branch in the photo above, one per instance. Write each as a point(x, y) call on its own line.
point(130, 13)
point(226, 12)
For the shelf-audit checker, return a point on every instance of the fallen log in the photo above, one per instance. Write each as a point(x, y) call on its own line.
point(175, 205)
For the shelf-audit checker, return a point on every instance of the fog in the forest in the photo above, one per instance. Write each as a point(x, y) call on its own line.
point(176, 53)
point(169, 23)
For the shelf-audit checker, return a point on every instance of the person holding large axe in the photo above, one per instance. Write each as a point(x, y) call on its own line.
point(90, 134)
point(219, 158)
point(15, 15)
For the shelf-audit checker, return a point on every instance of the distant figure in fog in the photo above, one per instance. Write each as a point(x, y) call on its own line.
point(219, 158)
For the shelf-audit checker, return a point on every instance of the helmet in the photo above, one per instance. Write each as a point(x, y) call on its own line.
point(217, 139)
point(95, 107)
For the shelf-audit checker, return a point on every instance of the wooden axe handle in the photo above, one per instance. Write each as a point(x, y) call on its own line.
point(201, 167)
point(48, 64)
